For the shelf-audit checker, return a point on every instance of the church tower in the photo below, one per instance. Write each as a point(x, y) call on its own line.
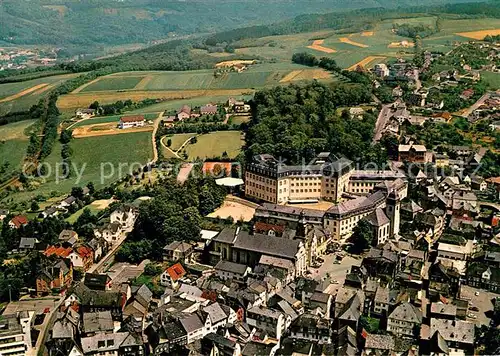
point(393, 210)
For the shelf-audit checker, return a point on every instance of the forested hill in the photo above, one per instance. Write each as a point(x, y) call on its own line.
point(88, 23)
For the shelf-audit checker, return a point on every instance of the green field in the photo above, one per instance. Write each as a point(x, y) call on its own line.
point(214, 144)
point(25, 101)
point(492, 80)
point(256, 76)
point(114, 83)
point(89, 154)
point(13, 144)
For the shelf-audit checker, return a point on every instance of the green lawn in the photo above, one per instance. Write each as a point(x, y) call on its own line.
point(214, 144)
point(114, 83)
point(492, 79)
point(72, 218)
point(177, 140)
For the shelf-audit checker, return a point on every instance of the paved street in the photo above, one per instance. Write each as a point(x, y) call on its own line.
point(382, 119)
point(483, 301)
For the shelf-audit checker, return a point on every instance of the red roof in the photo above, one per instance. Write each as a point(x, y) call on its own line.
point(19, 220)
point(134, 118)
point(176, 271)
point(262, 227)
point(84, 252)
point(58, 251)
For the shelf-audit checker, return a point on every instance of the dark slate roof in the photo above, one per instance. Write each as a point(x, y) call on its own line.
point(257, 349)
point(377, 218)
point(268, 245)
point(229, 266)
point(96, 280)
point(407, 312)
point(227, 235)
point(97, 322)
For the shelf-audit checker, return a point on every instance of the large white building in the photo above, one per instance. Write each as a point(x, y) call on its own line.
point(326, 177)
point(131, 121)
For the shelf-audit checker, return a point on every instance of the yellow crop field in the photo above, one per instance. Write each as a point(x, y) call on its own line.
point(348, 41)
point(306, 74)
point(232, 63)
point(363, 63)
point(367, 33)
point(402, 44)
point(317, 45)
point(479, 35)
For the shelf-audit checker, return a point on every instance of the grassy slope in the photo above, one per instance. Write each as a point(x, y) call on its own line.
point(215, 143)
point(89, 153)
point(13, 143)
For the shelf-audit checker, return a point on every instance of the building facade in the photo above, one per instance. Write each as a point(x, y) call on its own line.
point(326, 177)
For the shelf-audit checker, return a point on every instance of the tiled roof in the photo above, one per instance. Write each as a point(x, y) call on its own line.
point(379, 342)
point(176, 271)
point(58, 251)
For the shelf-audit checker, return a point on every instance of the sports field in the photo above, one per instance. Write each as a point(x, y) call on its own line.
point(95, 207)
point(21, 96)
point(214, 144)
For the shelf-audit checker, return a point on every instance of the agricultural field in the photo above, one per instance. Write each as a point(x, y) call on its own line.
point(20, 96)
point(89, 156)
point(353, 48)
point(214, 144)
point(193, 102)
point(113, 83)
point(68, 103)
point(13, 144)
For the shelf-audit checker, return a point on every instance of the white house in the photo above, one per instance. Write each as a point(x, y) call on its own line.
point(131, 121)
point(85, 113)
point(125, 216)
point(110, 232)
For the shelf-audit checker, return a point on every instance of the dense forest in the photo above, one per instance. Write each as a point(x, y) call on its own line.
point(297, 122)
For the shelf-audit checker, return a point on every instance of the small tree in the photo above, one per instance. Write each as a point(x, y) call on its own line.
point(361, 238)
point(34, 206)
point(169, 142)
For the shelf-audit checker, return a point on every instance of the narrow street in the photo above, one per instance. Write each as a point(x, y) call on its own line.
point(382, 118)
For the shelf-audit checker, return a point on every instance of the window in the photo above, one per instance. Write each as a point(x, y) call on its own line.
point(101, 344)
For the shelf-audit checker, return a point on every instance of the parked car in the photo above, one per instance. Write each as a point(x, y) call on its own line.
point(476, 309)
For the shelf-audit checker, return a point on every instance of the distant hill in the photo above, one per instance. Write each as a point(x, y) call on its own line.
point(88, 24)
